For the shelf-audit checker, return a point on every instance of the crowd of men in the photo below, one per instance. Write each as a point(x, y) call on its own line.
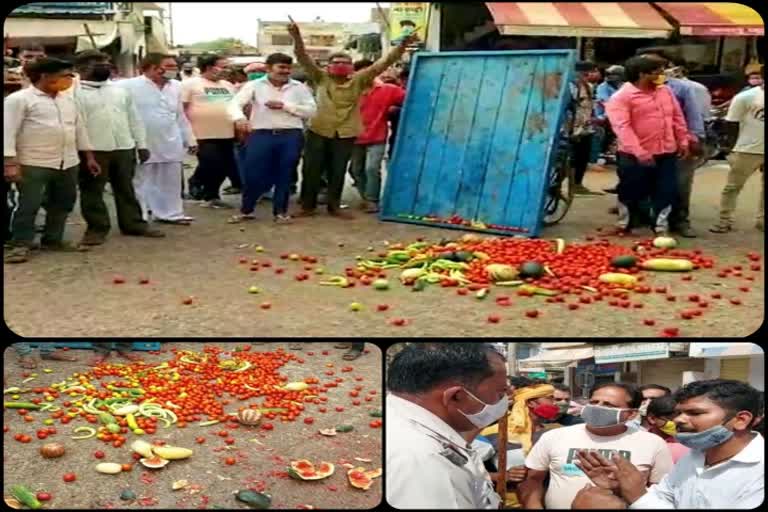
point(660, 121)
point(698, 447)
point(73, 126)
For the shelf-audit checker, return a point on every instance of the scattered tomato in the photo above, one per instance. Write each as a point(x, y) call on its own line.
point(69, 477)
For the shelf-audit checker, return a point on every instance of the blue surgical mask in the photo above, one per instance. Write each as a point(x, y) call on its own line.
point(256, 75)
point(706, 439)
point(489, 413)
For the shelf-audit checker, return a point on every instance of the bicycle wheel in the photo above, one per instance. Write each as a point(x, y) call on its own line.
point(560, 192)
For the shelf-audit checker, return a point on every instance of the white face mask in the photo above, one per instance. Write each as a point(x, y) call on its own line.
point(489, 413)
point(169, 75)
point(599, 416)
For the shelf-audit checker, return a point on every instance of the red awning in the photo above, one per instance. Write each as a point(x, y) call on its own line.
point(583, 19)
point(715, 19)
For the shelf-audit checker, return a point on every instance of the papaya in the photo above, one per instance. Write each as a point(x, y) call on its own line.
point(172, 452)
point(531, 269)
point(624, 261)
point(615, 278)
point(668, 265)
point(358, 479)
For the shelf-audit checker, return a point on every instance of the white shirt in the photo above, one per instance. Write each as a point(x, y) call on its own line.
point(429, 464)
point(734, 484)
point(43, 131)
point(161, 111)
point(748, 109)
point(298, 104)
point(111, 117)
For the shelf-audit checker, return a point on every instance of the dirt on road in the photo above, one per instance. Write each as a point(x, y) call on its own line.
point(74, 295)
point(261, 456)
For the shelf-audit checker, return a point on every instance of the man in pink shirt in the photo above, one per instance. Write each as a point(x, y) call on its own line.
point(652, 135)
point(371, 144)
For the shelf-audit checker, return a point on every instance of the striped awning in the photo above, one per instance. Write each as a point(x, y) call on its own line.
point(715, 19)
point(579, 19)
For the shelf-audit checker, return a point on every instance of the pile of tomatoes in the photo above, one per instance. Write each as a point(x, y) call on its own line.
point(579, 264)
point(198, 402)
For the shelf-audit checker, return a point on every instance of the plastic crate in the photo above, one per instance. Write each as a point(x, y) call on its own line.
point(137, 345)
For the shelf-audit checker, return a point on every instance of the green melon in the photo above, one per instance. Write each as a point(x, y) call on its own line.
point(531, 269)
point(624, 261)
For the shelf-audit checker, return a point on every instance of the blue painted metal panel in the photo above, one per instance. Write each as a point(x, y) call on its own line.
point(476, 139)
point(137, 345)
point(63, 8)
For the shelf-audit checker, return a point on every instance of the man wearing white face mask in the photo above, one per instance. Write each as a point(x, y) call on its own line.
point(605, 431)
point(725, 468)
point(436, 392)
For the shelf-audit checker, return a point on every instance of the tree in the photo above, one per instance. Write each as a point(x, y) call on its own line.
point(221, 44)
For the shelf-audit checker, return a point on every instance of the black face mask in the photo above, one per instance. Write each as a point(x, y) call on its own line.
point(101, 73)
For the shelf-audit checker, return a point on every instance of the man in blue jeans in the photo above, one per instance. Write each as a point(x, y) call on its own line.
point(47, 352)
point(279, 106)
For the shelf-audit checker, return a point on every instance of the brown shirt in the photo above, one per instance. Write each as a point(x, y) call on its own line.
point(338, 112)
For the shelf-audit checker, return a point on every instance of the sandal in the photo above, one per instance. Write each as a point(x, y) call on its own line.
point(243, 217)
point(129, 356)
point(27, 362)
point(721, 228)
point(97, 360)
point(352, 354)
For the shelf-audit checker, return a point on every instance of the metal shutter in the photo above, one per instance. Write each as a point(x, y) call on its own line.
point(736, 368)
point(669, 372)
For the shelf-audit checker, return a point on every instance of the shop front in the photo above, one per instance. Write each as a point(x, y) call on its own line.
point(662, 363)
point(732, 360)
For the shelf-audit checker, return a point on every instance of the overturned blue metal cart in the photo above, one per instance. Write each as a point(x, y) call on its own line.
point(481, 142)
point(136, 345)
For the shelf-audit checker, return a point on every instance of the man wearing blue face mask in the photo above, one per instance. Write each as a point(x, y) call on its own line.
point(725, 468)
point(437, 391)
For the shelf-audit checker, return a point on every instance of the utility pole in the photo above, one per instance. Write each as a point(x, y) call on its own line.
point(170, 24)
point(512, 359)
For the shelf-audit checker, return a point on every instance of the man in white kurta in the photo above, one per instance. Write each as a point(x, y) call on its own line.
point(157, 97)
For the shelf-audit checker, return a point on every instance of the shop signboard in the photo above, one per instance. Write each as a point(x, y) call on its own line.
point(621, 352)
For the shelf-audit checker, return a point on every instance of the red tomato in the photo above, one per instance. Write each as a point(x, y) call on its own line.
point(229, 441)
point(230, 461)
point(339, 408)
point(99, 454)
point(70, 477)
point(267, 426)
point(309, 421)
point(43, 496)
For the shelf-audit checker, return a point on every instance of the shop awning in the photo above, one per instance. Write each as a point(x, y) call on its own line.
point(58, 31)
point(556, 358)
point(579, 19)
point(715, 19)
point(725, 349)
point(635, 351)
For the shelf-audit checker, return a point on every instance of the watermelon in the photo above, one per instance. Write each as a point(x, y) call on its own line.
point(531, 269)
point(305, 470)
point(624, 261)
